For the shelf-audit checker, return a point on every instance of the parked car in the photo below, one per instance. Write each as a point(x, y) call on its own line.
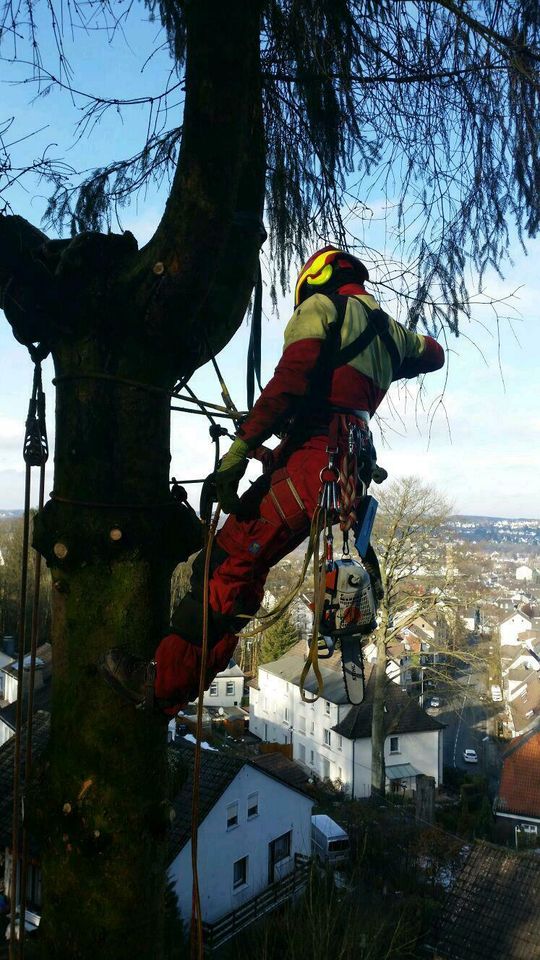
point(435, 702)
point(496, 693)
point(470, 756)
point(329, 841)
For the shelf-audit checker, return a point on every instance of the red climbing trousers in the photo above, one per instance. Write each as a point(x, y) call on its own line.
point(274, 518)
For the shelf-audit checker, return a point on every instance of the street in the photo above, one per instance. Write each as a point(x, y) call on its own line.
point(470, 724)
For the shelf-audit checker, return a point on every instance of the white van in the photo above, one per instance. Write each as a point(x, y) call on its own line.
point(329, 841)
point(496, 693)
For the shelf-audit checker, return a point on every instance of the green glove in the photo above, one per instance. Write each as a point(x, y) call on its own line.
point(229, 473)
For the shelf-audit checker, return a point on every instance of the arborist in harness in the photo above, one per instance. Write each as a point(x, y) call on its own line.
point(340, 356)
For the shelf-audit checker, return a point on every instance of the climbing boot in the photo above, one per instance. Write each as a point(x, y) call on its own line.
point(131, 677)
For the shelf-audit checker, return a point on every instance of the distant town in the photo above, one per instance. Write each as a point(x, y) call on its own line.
point(287, 779)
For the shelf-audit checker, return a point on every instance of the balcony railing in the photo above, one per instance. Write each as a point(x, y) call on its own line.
point(218, 933)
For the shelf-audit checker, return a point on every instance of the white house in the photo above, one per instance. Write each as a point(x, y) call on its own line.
point(524, 572)
point(252, 825)
point(227, 689)
point(331, 738)
point(10, 683)
point(511, 627)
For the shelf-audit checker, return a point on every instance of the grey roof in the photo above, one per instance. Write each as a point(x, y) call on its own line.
point(493, 910)
point(280, 767)
point(231, 670)
point(402, 713)
point(290, 666)
point(42, 698)
point(520, 673)
point(401, 771)
point(40, 735)
point(218, 770)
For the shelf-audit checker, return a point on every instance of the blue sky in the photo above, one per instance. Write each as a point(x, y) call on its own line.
point(472, 430)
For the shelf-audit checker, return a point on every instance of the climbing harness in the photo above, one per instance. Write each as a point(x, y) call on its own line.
point(35, 454)
point(345, 602)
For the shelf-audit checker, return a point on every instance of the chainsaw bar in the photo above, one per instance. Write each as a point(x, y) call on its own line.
point(352, 662)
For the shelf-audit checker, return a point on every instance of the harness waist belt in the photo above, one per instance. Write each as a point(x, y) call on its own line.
point(361, 414)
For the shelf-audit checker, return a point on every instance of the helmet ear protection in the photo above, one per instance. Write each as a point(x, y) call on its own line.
point(323, 277)
point(316, 272)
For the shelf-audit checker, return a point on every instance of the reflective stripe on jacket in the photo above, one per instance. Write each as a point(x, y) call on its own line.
point(307, 369)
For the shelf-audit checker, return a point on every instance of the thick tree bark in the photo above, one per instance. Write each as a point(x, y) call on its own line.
point(114, 315)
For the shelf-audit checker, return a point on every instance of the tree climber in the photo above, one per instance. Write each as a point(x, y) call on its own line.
point(340, 356)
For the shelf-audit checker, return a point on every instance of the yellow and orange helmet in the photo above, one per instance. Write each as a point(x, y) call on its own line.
point(321, 268)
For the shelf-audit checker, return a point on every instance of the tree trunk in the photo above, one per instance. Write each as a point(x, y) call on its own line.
point(378, 769)
point(111, 534)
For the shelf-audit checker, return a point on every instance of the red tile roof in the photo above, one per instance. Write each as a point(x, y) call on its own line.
point(519, 791)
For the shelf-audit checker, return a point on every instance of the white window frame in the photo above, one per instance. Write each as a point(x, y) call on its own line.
point(327, 707)
point(252, 806)
point(286, 856)
point(302, 752)
point(232, 815)
point(396, 749)
point(240, 884)
point(229, 689)
point(301, 724)
point(340, 742)
point(327, 737)
point(213, 689)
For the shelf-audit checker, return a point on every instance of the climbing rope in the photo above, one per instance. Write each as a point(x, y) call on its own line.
point(197, 941)
point(35, 454)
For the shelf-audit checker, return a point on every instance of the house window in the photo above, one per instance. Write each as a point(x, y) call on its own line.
point(302, 753)
point(253, 806)
point(312, 727)
point(301, 724)
point(281, 847)
point(327, 708)
point(340, 743)
point(312, 758)
point(240, 873)
point(325, 768)
point(229, 690)
point(213, 690)
point(394, 744)
point(327, 737)
point(232, 815)
point(285, 714)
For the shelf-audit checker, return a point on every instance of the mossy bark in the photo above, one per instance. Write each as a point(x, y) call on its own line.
point(111, 314)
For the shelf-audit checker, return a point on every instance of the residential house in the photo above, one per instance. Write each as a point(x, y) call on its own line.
point(524, 572)
point(492, 910)
point(257, 814)
point(522, 690)
point(40, 733)
point(517, 806)
point(331, 738)
point(258, 820)
point(10, 685)
point(511, 628)
point(227, 689)
point(5, 660)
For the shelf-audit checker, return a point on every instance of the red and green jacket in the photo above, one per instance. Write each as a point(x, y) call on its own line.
point(310, 377)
